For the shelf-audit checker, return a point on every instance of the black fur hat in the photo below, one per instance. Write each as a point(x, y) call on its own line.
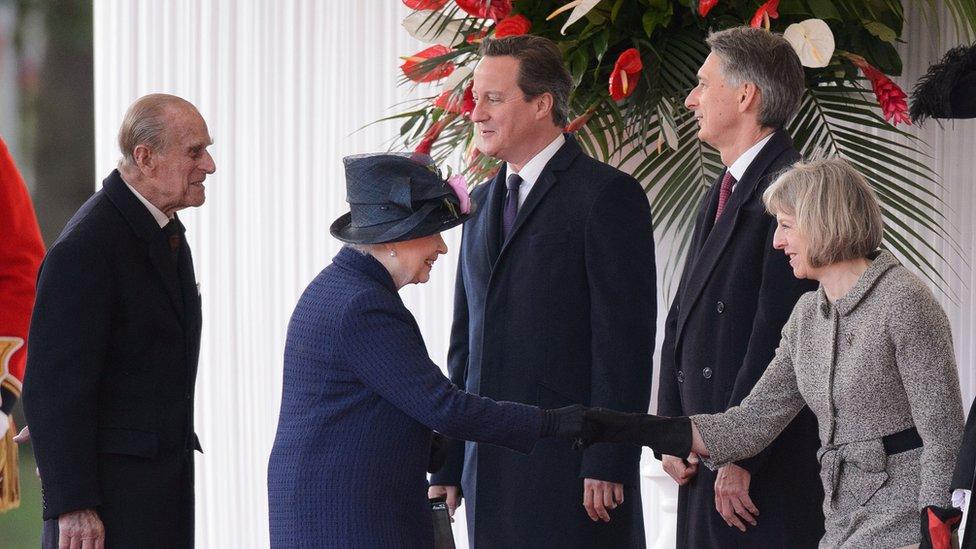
point(948, 89)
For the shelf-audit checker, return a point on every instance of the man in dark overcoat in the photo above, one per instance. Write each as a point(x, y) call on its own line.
point(114, 341)
point(554, 305)
point(735, 294)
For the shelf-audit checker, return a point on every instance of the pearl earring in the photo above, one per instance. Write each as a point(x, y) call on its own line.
point(392, 253)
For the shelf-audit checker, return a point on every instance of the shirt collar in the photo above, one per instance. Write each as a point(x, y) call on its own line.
point(741, 164)
point(157, 214)
point(533, 168)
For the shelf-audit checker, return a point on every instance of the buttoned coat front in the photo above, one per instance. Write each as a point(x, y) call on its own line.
point(874, 363)
point(562, 313)
point(736, 292)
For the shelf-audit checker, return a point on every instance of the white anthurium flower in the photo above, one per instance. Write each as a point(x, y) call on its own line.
point(579, 7)
point(813, 42)
point(433, 28)
point(453, 82)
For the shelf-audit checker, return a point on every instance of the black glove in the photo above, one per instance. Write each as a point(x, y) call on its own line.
point(938, 524)
point(438, 453)
point(668, 435)
point(566, 422)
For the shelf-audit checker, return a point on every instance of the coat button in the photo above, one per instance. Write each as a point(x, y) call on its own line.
point(720, 307)
point(681, 376)
point(707, 373)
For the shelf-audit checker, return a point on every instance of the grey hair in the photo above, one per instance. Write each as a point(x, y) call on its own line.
point(834, 206)
point(541, 69)
point(767, 60)
point(364, 249)
point(145, 124)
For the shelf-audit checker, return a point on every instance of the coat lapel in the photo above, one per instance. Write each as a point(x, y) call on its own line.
point(547, 179)
point(721, 233)
point(145, 227)
point(493, 211)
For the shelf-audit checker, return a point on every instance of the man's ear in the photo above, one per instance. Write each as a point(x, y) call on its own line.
point(543, 105)
point(747, 97)
point(144, 159)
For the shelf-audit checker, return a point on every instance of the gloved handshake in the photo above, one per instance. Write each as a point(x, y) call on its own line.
point(667, 435)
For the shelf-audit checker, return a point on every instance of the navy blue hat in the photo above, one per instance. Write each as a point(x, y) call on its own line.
point(396, 197)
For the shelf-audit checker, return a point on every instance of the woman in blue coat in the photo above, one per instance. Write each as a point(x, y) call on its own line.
point(360, 394)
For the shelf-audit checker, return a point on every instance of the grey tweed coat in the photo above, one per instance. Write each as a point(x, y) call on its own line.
point(875, 362)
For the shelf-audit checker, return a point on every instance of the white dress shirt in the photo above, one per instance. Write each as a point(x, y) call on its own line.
point(741, 164)
point(157, 214)
point(533, 168)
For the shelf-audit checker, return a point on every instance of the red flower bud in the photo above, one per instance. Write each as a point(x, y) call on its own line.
point(580, 121)
point(705, 6)
point(452, 102)
point(425, 4)
point(892, 99)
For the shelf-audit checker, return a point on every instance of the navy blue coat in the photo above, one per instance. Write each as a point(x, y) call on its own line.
point(562, 313)
point(360, 397)
point(722, 330)
point(114, 341)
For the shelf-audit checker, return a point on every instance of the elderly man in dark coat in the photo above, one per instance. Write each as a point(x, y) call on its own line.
point(114, 340)
point(555, 304)
point(735, 295)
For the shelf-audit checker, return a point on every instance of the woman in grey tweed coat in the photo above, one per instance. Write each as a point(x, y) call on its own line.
point(870, 353)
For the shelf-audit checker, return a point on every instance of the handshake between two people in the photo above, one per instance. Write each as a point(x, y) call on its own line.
point(673, 436)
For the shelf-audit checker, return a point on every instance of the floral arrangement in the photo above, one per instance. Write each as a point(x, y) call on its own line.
point(633, 63)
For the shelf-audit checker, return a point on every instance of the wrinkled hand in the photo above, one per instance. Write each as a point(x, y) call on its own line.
point(599, 496)
point(81, 530)
point(451, 495)
point(732, 499)
point(681, 470)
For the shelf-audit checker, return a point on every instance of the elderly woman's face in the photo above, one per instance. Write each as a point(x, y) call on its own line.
point(794, 245)
point(415, 259)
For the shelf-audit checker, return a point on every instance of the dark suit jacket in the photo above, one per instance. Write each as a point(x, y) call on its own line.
point(115, 338)
point(360, 397)
point(562, 313)
point(735, 294)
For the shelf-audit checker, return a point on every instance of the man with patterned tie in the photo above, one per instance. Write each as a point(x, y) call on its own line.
point(114, 341)
point(20, 256)
point(555, 305)
point(735, 294)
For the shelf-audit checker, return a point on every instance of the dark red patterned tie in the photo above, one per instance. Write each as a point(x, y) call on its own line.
point(723, 193)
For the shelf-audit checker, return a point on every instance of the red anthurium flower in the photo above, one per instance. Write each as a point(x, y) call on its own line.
point(513, 26)
point(487, 9)
point(451, 102)
point(626, 70)
point(425, 4)
point(705, 6)
point(892, 99)
point(580, 121)
point(412, 65)
point(433, 132)
point(767, 11)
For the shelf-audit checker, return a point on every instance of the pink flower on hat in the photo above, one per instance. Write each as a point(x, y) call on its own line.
point(460, 188)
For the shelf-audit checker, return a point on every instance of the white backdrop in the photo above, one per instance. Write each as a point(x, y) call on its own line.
point(284, 85)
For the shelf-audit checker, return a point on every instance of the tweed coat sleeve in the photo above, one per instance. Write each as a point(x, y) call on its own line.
point(922, 337)
point(745, 430)
point(778, 293)
point(621, 275)
point(382, 344)
point(69, 339)
point(457, 369)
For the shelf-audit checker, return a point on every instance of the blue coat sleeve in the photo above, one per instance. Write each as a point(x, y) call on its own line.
point(381, 343)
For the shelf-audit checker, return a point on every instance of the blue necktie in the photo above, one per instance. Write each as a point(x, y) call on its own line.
point(511, 205)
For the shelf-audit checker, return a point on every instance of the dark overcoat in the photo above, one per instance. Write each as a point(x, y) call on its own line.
point(114, 340)
point(562, 313)
point(735, 295)
point(360, 397)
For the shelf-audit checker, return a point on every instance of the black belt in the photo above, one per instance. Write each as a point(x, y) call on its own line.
point(901, 441)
